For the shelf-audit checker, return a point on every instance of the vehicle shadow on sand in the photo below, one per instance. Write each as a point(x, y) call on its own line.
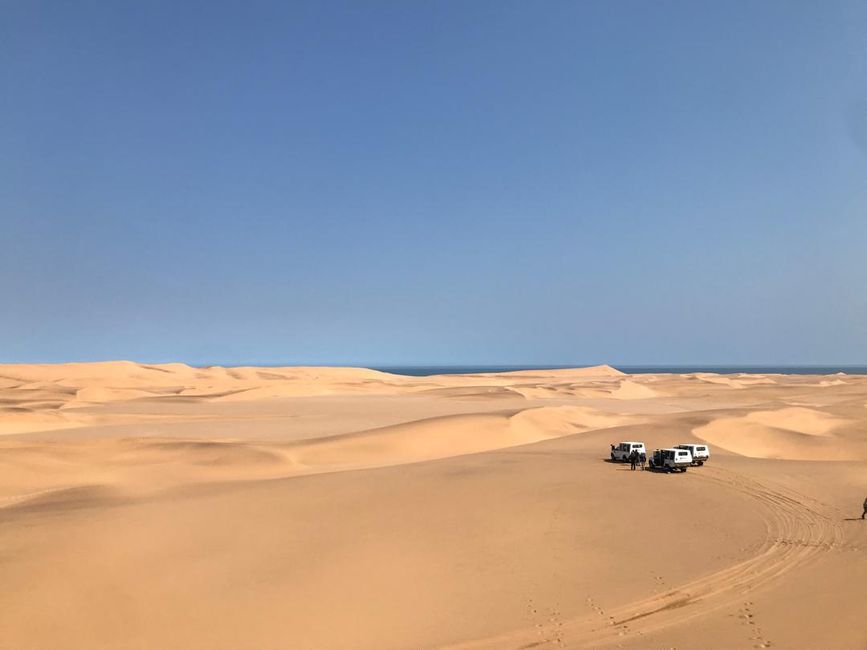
point(624, 465)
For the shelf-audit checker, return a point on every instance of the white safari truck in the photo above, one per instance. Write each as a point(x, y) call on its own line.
point(622, 451)
point(670, 459)
point(700, 453)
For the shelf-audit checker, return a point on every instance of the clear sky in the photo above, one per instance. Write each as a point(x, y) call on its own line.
point(434, 182)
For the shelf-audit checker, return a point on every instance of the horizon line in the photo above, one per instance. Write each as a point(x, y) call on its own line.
point(374, 365)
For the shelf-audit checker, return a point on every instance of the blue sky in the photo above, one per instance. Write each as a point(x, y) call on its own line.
point(434, 182)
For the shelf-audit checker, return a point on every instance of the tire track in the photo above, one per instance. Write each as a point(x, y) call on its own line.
point(797, 532)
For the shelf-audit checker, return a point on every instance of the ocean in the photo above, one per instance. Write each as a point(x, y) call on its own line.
point(423, 371)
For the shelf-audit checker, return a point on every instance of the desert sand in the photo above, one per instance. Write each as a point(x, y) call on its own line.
point(166, 506)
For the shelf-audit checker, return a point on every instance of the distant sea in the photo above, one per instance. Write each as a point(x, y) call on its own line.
point(423, 371)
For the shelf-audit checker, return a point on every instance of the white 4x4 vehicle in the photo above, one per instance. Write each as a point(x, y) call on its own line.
point(700, 453)
point(622, 451)
point(670, 459)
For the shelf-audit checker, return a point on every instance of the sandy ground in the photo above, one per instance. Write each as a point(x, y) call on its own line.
point(164, 506)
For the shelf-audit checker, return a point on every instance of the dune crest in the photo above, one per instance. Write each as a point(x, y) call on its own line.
point(453, 435)
point(794, 433)
point(603, 370)
point(100, 394)
point(634, 390)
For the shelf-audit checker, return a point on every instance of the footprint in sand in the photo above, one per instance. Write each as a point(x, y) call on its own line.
point(549, 626)
point(660, 582)
point(745, 613)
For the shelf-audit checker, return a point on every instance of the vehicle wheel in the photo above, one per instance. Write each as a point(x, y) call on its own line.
point(683, 469)
point(700, 463)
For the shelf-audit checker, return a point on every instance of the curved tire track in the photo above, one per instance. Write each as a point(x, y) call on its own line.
point(796, 533)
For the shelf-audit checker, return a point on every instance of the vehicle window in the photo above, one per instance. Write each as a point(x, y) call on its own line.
point(701, 448)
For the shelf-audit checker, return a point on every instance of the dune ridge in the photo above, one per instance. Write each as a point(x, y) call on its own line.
point(793, 433)
point(452, 435)
point(146, 465)
point(163, 505)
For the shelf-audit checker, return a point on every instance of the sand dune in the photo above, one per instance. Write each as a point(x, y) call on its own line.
point(19, 420)
point(99, 394)
point(634, 390)
point(734, 381)
point(794, 433)
point(75, 385)
point(279, 390)
point(612, 389)
point(801, 420)
point(474, 392)
point(449, 436)
point(137, 465)
point(162, 505)
point(559, 373)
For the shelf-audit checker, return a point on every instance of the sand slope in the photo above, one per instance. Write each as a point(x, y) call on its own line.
point(167, 506)
point(794, 433)
point(448, 436)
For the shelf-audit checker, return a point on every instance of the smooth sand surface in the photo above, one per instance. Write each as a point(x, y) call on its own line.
point(165, 506)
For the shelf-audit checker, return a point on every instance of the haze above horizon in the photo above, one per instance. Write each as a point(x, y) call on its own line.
point(627, 183)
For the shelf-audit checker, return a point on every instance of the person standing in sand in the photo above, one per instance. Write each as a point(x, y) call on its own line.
point(865, 508)
point(633, 459)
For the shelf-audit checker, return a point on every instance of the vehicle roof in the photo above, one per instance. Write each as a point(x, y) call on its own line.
point(630, 442)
